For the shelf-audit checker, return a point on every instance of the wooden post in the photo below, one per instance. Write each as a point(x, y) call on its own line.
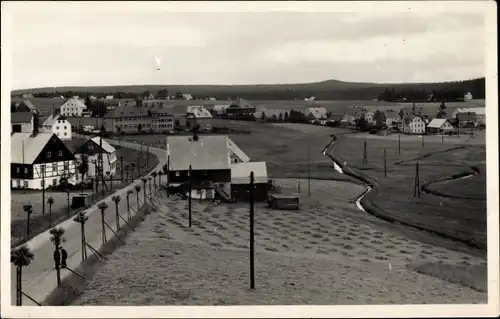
point(121, 164)
point(365, 155)
point(399, 143)
point(385, 162)
point(416, 190)
point(309, 170)
point(252, 252)
point(189, 198)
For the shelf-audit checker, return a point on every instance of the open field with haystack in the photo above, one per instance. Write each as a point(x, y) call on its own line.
point(326, 253)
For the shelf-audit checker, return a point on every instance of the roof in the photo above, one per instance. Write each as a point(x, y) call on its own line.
point(220, 107)
point(391, 114)
point(79, 103)
point(469, 116)
point(105, 145)
point(133, 111)
point(109, 97)
point(74, 143)
point(237, 151)
point(477, 110)
point(199, 111)
point(317, 112)
point(240, 172)
point(112, 102)
point(209, 152)
point(44, 104)
point(21, 117)
point(436, 123)
point(187, 95)
point(51, 120)
point(29, 105)
point(335, 117)
point(24, 148)
point(241, 103)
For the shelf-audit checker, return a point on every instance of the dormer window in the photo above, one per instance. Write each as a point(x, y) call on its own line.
point(49, 154)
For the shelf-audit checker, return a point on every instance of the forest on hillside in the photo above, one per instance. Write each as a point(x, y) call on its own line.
point(327, 90)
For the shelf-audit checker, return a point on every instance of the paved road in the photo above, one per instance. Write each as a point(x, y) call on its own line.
point(39, 278)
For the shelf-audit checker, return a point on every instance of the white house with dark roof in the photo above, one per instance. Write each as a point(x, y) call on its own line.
point(73, 107)
point(40, 160)
point(412, 124)
point(317, 112)
point(439, 126)
point(58, 125)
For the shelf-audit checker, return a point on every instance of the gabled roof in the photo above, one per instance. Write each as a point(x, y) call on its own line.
point(199, 111)
point(74, 144)
point(25, 148)
point(43, 104)
point(317, 112)
point(207, 153)
point(52, 119)
point(436, 123)
point(240, 103)
point(79, 103)
point(237, 151)
point(28, 104)
point(240, 172)
point(21, 117)
point(105, 145)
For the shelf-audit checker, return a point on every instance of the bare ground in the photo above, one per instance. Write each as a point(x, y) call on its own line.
point(326, 253)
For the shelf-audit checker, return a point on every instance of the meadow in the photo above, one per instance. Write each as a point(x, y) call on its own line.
point(461, 212)
point(326, 253)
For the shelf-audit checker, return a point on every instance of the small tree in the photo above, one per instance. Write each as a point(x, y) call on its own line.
point(116, 199)
point(103, 206)
point(263, 116)
point(401, 114)
point(28, 209)
point(20, 257)
point(50, 201)
point(154, 174)
point(442, 113)
point(57, 238)
point(280, 117)
point(129, 192)
point(137, 190)
point(82, 218)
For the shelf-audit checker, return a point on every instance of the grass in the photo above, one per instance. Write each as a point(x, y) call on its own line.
point(458, 217)
point(293, 266)
point(40, 222)
point(474, 277)
point(73, 286)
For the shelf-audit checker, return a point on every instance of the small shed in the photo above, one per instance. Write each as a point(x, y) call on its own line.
point(240, 180)
point(288, 202)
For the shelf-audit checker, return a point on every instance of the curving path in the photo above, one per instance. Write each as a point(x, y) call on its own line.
point(39, 278)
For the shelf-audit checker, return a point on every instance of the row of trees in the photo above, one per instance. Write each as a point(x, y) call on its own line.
point(329, 90)
point(22, 256)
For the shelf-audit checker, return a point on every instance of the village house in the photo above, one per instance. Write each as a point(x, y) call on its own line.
point(317, 113)
point(40, 160)
point(467, 96)
point(467, 119)
point(43, 106)
point(479, 111)
point(391, 118)
point(25, 106)
point(209, 159)
point(198, 114)
point(412, 124)
point(187, 96)
point(439, 126)
point(21, 122)
point(138, 118)
point(348, 120)
point(74, 107)
point(91, 148)
point(240, 107)
point(112, 104)
point(109, 97)
point(58, 125)
point(369, 117)
point(240, 180)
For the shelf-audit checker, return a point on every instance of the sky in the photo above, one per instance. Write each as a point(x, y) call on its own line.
point(93, 48)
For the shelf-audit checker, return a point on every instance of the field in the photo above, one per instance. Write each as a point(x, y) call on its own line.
point(327, 253)
point(40, 222)
point(461, 217)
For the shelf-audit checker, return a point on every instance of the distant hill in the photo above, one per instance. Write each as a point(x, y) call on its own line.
point(325, 90)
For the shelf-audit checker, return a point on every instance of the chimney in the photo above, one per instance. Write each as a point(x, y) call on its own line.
point(35, 124)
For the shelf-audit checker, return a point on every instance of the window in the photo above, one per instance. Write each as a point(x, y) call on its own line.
point(18, 184)
point(25, 170)
point(18, 170)
point(60, 153)
point(54, 168)
point(25, 184)
point(48, 154)
point(177, 173)
point(65, 127)
point(54, 181)
point(57, 127)
point(66, 166)
point(65, 133)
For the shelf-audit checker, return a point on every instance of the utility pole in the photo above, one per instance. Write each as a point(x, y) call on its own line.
point(43, 189)
point(168, 174)
point(416, 190)
point(252, 251)
point(365, 155)
point(309, 170)
point(189, 198)
point(399, 143)
point(385, 162)
point(101, 162)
